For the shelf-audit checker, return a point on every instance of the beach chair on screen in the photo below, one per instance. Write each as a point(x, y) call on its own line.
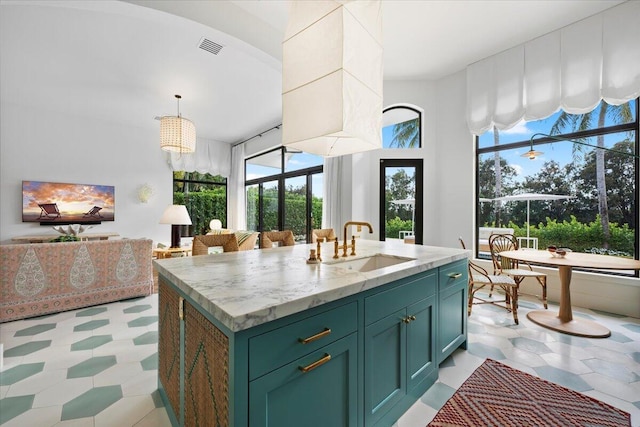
point(49, 211)
point(93, 212)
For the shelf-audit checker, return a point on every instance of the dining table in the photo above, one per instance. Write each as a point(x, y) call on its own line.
point(563, 321)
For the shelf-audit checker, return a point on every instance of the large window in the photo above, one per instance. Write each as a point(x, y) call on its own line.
point(205, 197)
point(284, 192)
point(601, 215)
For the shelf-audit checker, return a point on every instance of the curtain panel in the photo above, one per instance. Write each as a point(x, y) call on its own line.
point(236, 202)
point(572, 68)
point(336, 206)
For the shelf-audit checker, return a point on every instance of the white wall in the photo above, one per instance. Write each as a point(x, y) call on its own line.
point(448, 153)
point(455, 164)
point(366, 166)
point(46, 145)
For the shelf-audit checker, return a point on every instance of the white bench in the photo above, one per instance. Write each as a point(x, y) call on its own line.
point(485, 232)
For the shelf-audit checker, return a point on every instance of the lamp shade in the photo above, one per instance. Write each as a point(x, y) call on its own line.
point(176, 214)
point(332, 77)
point(177, 134)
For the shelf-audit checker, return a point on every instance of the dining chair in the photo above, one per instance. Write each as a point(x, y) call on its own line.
point(268, 238)
point(201, 244)
point(519, 270)
point(323, 233)
point(479, 279)
point(246, 239)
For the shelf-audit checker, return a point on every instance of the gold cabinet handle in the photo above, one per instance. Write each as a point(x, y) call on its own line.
point(455, 275)
point(317, 336)
point(181, 308)
point(315, 364)
point(412, 318)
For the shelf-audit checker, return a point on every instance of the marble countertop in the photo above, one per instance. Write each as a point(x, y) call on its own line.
point(248, 288)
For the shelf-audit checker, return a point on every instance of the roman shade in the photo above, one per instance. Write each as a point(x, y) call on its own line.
point(572, 68)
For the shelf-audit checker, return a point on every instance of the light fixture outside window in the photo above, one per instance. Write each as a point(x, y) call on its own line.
point(532, 154)
point(177, 134)
point(332, 77)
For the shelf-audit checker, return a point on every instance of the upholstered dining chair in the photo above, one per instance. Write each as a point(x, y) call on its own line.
point(268, 238)
point(323, 233)
point(480, 279)
point(519, 270)
point(201, 244)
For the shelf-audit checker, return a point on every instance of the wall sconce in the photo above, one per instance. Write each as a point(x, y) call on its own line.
point(532, 154)
point(177, 134)
point(145, 191)
point(176, 215)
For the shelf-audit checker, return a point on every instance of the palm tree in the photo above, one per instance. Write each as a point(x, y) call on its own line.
point(406, 134)
point(579, 122)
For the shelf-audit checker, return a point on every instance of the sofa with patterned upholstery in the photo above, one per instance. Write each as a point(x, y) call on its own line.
point(42, 278)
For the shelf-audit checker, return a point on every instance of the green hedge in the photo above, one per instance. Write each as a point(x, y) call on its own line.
point(579, 237)
point(205, 205)
point(395, 225)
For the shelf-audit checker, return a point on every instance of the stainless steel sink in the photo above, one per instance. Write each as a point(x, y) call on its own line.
point(369, 263)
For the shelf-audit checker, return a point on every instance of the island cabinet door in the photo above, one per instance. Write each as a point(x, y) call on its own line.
point(385, 382)
point(452, 308)
point(169, 363)
point(421, 340)
point(206, 371)
point(317, 390)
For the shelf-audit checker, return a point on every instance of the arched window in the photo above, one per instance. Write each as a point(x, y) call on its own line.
point(401, 127)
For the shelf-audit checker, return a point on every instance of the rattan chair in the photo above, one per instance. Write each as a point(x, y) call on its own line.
point(201, 244)
point(519, 270)
point(268, 238)
point(327, 234)
point(480, 279)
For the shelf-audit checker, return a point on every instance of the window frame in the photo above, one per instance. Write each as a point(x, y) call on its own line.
point(633, 126)
point(280, 178)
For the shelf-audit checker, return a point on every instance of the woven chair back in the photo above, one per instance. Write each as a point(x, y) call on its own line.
point(268, 238)
point(500, 243)
point(323, 233)
point(201, 244)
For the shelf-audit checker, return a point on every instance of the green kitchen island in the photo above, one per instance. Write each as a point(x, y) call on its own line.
point(262, 338)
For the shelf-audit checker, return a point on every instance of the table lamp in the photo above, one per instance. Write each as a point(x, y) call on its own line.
point(176, 215)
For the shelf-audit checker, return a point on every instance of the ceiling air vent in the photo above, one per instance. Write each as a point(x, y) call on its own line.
point(210, 46)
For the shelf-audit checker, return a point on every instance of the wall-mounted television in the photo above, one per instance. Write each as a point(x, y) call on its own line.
point(60, 203)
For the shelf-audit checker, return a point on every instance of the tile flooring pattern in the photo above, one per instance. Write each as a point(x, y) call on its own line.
point(98, 366)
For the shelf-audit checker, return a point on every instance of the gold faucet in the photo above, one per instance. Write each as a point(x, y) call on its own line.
point(359, 224)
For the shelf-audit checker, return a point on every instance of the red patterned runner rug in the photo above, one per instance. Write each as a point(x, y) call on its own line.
point(497, 395)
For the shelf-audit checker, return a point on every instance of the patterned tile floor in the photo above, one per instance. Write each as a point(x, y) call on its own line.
point(98, 366)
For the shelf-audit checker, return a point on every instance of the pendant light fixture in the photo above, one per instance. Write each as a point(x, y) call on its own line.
point(177, 134)
point(332, 77)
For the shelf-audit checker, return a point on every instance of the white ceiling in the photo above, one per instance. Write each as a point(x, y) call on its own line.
point(124, 61)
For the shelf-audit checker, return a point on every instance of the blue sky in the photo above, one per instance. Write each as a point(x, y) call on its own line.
point(562, 152)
